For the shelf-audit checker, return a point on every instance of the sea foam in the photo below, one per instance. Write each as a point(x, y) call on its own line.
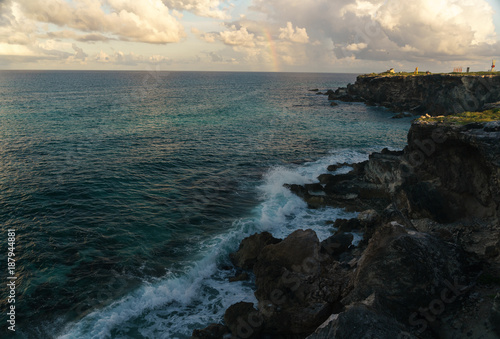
point(175, 305)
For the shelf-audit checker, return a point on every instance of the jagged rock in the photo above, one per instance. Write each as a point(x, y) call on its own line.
point(385, 168)
point(359, 168)
point(311, 188)
point(299, 190)
point(491, 105)
point(348, 225)
point(298, 321)
point(479, 239)
point(240, 277)
point(451, 167)
point(333, 103)
point(295, 288)
point(337, 243)
point(212, 331)
point(243, 320)
point(402, 270)
point(495, 314)
point(360, 321)
point(250, 248)
point(331, 179)
point(492, 126)
point(332, 168)
point(368, 216)
point(298, 248)
point(314, 90)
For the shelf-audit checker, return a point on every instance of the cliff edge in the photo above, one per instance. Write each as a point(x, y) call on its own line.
point(434, 94)
point(428, 265)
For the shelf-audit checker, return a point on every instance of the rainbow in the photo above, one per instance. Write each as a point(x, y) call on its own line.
point(272, 49)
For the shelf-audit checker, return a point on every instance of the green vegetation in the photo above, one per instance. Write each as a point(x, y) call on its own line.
point(425, 73)
point(465, 117)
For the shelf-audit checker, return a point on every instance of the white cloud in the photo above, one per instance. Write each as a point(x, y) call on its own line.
point(18, 50)
point(206, 8)
point(129, 20)
point(238, 37)
point(130, 59)
point(392, 29)
point(356, 47)
point(298, 35)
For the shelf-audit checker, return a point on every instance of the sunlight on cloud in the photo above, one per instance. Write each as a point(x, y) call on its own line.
point(238, 37)
point(10, 49)
point(206, 8)
point(392, 29)
point(130, 20)
point(297, 35)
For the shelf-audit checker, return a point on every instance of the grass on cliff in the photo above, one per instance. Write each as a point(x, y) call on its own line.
point(465, 117)
point(425, 73)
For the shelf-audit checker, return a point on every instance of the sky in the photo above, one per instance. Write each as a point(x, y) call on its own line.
point(333, 36)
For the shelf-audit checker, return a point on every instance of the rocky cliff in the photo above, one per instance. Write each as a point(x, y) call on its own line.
point(427, 267)
point(435, 94)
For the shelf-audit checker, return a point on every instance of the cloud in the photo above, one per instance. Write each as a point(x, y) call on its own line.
point(391, 29)
point(128, 59)
point(206, 8)
point(262, 44)
point(356, 47)
point(238, 37)
point(128, 20)
point(297, 35)
point(80, 54)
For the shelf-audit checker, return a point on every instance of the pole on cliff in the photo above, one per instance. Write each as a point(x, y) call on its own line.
point(492, 66)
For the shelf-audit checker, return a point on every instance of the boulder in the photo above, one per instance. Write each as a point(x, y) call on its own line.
point(250, 248)
point(243, 320)
point(331, 179)
point(348, 225)
point(292, 252)
point(298, 190)
point(368, 216)
point(360, 321)
point(403, 270)
point(295, 289)
point(337, 244)
point(240, 277)
point(335, 167)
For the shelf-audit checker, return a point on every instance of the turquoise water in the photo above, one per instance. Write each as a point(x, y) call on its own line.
point(127, 190)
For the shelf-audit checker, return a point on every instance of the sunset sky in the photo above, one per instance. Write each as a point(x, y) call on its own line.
point(249, 35)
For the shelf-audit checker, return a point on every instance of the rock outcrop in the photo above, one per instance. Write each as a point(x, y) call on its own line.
point(435, 94)
point(427, 267)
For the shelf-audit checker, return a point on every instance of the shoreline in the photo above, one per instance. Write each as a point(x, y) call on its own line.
point(434, 94)
point(429, 215)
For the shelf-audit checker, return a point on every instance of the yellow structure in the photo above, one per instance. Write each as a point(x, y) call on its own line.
point(416, 71)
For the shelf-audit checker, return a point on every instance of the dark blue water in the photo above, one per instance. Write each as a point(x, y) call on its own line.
point(127, 190)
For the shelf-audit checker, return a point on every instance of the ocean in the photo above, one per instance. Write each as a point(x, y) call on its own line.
point(128, 190)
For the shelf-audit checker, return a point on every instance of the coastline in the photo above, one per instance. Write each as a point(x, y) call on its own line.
point(429, 261)
point(434, 94)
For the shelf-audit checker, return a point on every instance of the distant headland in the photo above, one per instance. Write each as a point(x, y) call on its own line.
point(423, 92)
